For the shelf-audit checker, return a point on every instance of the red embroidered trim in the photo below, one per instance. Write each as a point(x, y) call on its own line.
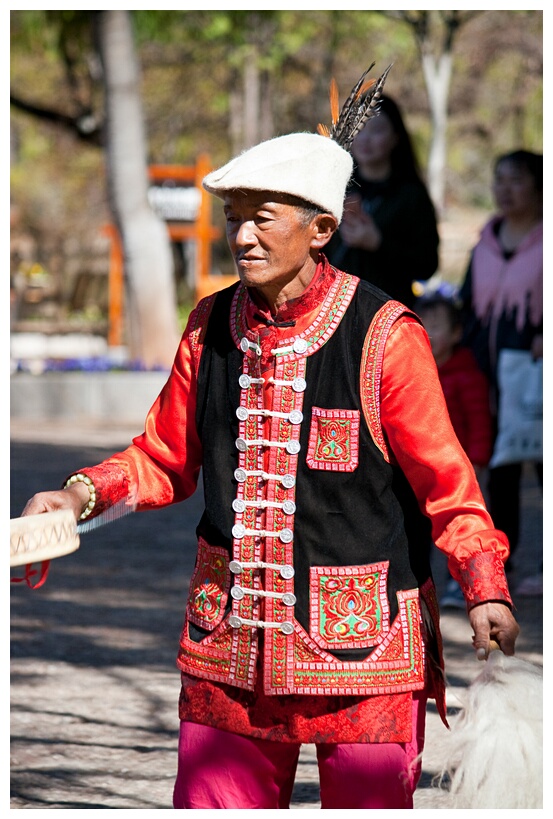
point(333, 440)
point(349, 605)
point(198, 326)
point(482, 579)
point(371, 370)
point(247, 549)
point(279, 647)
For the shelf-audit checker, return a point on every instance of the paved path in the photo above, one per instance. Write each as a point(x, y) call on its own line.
point(94, 685)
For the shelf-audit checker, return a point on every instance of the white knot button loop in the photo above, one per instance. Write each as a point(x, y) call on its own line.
point(285, 570)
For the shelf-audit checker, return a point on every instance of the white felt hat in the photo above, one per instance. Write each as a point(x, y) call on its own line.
point(310, 166)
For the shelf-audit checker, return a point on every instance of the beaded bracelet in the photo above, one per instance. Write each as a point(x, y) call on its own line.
point(79, 477)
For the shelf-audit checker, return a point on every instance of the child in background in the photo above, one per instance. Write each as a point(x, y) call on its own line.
point(466, 392)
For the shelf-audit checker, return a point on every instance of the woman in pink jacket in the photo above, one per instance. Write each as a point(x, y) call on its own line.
point(503, 303)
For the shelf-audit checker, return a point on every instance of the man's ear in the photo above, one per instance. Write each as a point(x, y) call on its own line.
point(324, 225)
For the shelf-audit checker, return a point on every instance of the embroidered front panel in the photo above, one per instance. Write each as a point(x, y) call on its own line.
point(209, 586)
point(371, 370)
point(283, 460)
point(333, 440)
point(349, 605)
point(246, 546)
point(396, 665)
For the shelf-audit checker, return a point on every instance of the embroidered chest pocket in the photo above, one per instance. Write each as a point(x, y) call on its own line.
point(333, 440)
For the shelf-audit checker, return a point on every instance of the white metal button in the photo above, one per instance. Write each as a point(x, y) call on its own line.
point(240, 475)
point(241, 444)
point(244, 381)
point(238, 531)
point(237, 592)
point(286, 535)
point(287, 627)
point(287, 572)
point(235, 567)
point(295, 417)
point(288, 481)
point(289, 599)
point(289, 507)
point(234, 622)
point(299, 384)
point(238, 505)
point(244, 345)
point(300, 345)
point(293, 447)
point(242, 414)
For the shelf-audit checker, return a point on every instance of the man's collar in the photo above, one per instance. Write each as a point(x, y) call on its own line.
point(312, 296)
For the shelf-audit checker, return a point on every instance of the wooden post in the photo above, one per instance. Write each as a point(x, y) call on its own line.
point(203, 223)
point(115, 287)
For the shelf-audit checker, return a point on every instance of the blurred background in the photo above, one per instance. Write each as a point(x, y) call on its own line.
point(116, 116)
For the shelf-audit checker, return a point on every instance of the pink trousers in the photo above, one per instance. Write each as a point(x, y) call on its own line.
point(217, 769)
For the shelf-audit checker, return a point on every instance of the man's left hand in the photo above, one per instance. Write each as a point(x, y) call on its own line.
point(493, 621)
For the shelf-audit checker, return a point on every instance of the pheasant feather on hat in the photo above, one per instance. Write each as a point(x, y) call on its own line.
point(361, 105)
point(313, 167)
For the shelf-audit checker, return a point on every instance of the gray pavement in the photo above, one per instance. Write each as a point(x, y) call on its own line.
point(94, 686)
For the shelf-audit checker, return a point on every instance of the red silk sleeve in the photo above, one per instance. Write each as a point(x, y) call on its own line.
point(162, 465)
point(416, 423)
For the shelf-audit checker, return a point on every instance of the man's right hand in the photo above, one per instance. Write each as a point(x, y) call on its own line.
point(75, 497)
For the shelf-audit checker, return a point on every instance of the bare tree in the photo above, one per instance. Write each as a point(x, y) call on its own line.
point(153, 329)
point(435, 33)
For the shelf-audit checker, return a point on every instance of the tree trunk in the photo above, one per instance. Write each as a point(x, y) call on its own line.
point(150, 287)
point(252, 92)
point(437, 74)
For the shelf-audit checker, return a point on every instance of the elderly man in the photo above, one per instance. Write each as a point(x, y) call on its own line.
point(311, 402)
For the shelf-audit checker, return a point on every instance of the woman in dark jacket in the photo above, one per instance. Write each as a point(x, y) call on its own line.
point(389, 234)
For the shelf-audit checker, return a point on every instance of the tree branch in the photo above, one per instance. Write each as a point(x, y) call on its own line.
point(85, 126)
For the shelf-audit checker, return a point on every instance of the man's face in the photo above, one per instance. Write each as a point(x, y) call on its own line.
point(268, 238)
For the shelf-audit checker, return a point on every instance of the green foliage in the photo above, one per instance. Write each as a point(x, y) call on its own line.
point(191, 70)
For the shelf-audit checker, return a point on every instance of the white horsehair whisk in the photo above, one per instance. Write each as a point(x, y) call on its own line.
point(494, 751)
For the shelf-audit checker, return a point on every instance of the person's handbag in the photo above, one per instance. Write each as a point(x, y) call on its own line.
point(520, 412)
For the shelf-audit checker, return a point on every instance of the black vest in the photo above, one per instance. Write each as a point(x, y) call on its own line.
point(368, 515)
